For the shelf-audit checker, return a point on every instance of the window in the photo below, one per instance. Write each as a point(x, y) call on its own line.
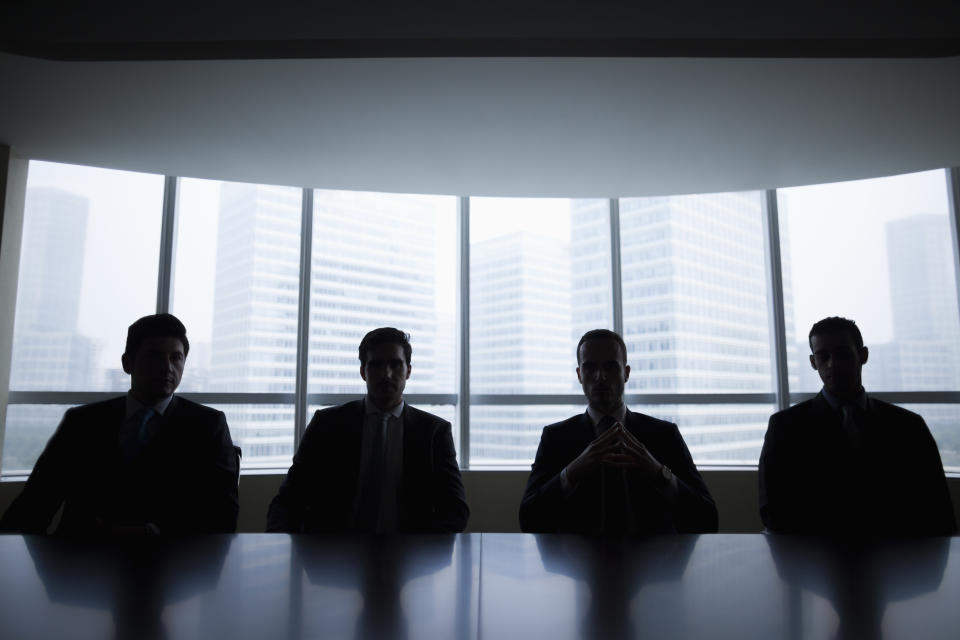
point(539, 278)
point(383, 260)
point(236, 275)
point(685, 279)
point(878, 252)
point(73, 303)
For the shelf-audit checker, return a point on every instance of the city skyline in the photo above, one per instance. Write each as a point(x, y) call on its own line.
point(714, 279)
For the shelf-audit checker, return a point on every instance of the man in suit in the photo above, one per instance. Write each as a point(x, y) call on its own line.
point(375, 465)
point(845, 463)
point(610, 470)
point(147, 462)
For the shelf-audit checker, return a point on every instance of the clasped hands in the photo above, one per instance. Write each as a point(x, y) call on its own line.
point(615, 447)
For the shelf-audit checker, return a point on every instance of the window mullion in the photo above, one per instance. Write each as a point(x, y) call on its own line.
point(303, 317)
point(463, 270)
point(774, 268)
point(616, 281)
point(953, 202)
point(168, 239)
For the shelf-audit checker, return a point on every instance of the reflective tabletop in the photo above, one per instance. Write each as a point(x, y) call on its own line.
point(479, 586)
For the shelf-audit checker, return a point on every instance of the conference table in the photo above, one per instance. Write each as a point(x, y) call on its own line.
point(476, 585)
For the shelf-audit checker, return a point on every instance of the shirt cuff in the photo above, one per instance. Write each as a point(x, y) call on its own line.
point(565, 483)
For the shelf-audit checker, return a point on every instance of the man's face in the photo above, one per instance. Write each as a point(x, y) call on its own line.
point(603, 372)
point(838, 360)
point(156, 368)
point(386, 372)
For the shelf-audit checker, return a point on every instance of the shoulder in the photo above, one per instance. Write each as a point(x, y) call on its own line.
point(183, 407)
point(798, 412)
point(649, 423)
point(332, 417)
point(565, 427)
point(94, 415)
point(893, 411)
point(896, 417)
point(96, 409)
point(414, 416)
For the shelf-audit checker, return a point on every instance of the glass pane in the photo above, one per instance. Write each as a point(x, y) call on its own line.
point(382, 259)
point(878, 252)
point(717, 433)
point(944, 423)
point(88, 269)
point(539, 278)
point(263, 431)
point(695, 311)
point(508, 435)
point(28, 427)
point(236, 276)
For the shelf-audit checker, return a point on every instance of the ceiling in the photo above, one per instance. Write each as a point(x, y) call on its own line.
point(579, 100)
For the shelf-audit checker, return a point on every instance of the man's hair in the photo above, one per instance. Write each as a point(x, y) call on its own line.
point(836, 324)
point(602, 334)
point(161, 325)
point(385, 335)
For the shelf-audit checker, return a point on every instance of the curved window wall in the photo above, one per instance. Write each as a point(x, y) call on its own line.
point(278, 284)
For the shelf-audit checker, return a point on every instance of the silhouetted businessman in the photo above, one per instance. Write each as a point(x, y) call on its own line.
point(375, 465)
point(147, 462)
point(846, 463)
point(611, 470)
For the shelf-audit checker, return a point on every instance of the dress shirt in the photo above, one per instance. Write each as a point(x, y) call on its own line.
point(391, 474)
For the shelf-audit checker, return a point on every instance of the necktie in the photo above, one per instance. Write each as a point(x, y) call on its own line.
point(850, 427)
point(138, 437)
point(369, 508)
point(613, 489)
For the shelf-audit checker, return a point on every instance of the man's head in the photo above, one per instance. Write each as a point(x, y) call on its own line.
point(154, 357)
point(385, 365)
point(602, 369)
point(838, 355)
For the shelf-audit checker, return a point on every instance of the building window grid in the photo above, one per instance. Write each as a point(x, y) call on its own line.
point(781, 397)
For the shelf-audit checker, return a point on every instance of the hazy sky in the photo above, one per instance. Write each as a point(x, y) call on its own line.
point(837, 241)
point(838, 244)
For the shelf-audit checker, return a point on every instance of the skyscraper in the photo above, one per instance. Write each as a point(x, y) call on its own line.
point(520, 341)
point(48, 352)
point(373, 264)
point(255, 314)
point(695, 314)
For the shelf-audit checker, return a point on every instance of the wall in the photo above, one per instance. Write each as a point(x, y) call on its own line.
point(494, 497)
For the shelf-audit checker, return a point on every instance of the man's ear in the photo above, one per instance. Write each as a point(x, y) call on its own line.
point(578, 376)
point(864, 353)
point(812, 362)
point(127, 363)
point(409, 369)
point(626, 372)
point(363, 372)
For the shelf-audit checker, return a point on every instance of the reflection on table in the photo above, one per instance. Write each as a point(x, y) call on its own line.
point(478, 586)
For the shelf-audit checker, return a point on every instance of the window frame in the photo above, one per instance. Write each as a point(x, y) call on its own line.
point(781, 397)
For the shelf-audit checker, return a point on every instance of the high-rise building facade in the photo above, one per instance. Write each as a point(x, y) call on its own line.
point(48, 352)
point(373, 264)
point(695, 314)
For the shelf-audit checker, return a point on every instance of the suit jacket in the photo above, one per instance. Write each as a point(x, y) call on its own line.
point(546, 508)
point(317, 496)
point(813, 481)
point(183, 481)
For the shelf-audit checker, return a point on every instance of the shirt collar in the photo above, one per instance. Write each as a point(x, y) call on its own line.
point(619, 415)
point(133, 405)
point(370, 408)
point(860, 400)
